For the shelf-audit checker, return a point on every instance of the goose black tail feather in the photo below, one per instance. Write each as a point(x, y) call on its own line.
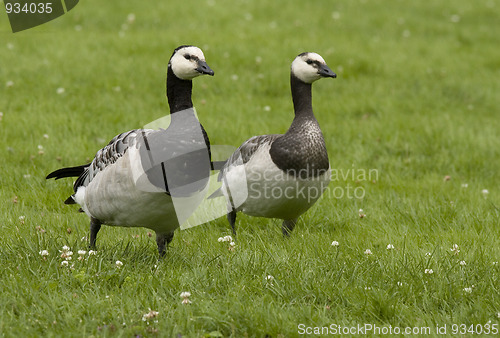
point(67, 172)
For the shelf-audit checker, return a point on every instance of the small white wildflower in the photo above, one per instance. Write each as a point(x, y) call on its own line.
point(234, 77)
point(335, 243)
point(65, 248)
point(119, 264)
point(368, 287)
point(468, 290)
point(455, 249)
point(221, 239)
point(485, 192)
point(150, 314)
point(185, 294)
point(44, 253)
point(495, 263)
point(368, 252)
point(22, 219)
point(498, 315)
point(361, 213)
point(27, 176)
point(463, 263)
point(45, 136)
point(429, 271)
point(228, 239)
point(464, 185)
point(399, 283)
point(390, 246)
point(131, 18)
point(9, 83)
point(428, 254)
point(267, 108)
point(60, 90)
point(82, 252)
point(64, 263)
point(232, 245)
point(92, 252)
point(269, 278)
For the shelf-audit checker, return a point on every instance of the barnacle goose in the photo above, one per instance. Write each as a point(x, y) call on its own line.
point(107, 189)
point(282, 176)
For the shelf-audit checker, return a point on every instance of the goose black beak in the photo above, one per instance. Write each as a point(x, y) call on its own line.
point(203, 68)
point(325, 71)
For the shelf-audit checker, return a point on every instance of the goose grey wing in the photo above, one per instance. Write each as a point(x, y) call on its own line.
point(106, 156)
point(245, 152)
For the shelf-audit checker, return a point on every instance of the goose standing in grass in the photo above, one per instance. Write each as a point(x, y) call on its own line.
point(109, 189)
point(282, 176)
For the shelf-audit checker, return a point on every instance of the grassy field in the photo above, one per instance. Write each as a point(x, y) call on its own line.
point(416, 105)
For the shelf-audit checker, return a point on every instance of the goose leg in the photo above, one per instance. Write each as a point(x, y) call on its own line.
point(162, 240)
point(287, 226)
point(95, 226)
point(231, 217)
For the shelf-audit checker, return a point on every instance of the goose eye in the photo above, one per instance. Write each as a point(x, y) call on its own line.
point(187, 57)
point(309, 62)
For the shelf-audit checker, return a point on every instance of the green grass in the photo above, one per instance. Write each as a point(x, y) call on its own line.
point(416, 99)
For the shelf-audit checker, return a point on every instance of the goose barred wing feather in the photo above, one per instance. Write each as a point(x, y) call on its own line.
point(245, 152)
point(106, 156)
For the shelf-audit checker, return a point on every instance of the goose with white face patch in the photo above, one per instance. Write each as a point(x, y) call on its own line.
point(282, 176)
point(109, 189)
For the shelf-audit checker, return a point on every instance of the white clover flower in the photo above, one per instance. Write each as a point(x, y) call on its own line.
point(269, 278)
point(44, 253)
point(267, 108)
point(361, 214)
point(428, 271)
point(22, 219)
point(64, 263)
point(463, 263)
point(468, 290)
point(464, 185)
point(498, 315)
point(228, 239)
point(221, 239)
point(60, 90)
point(185, 295)
point(368, 252)
point(335, 243)
point(485, 192)
point(390, 247)
point(149, 315)
point(131, 18)
point(92, 252)
point(428, 254)
point(65, 248)
point(368, 287)
point(82, 252)
point(234, 77)
point(119, 264)
point(9, 83)
point(399, 283)
point(455, 249)
point(495, 263)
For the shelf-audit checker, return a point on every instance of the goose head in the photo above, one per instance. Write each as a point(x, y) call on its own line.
point(309, 67)
point(188, 62)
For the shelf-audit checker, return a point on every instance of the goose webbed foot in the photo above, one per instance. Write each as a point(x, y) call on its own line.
point(287, 227)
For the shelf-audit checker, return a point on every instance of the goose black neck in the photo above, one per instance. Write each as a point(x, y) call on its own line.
point(301, 96)
point(178, 92)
